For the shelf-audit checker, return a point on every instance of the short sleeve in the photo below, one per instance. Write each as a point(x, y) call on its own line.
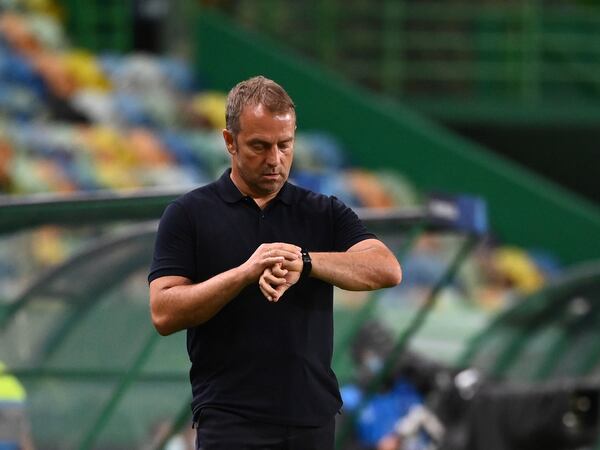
point(348, 228)
point(174, 245)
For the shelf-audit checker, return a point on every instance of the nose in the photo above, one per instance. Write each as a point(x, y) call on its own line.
point(273, 156)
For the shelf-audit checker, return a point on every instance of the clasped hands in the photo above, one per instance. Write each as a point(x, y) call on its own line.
point(278, 267)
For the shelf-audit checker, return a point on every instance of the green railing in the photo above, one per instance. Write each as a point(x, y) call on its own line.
point(432, 54)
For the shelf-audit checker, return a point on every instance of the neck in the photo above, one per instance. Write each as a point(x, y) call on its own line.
point(261, 200)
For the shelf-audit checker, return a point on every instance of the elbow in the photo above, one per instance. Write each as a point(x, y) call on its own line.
point(396, 275)
point(393, 275)
point(391, 272)
point(162, 321)
point(162, 325)
point(388, 276)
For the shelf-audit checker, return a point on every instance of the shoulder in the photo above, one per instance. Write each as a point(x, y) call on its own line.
point(318, 202)
point(202, 194)
point(188, 207)
point(303, 196)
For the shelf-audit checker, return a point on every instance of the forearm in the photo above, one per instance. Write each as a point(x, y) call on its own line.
point(176, 303)
point(367, 266)
point(179, 306)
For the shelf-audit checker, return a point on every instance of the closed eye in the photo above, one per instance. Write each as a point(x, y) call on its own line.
point(285, 145)
point(259, 146)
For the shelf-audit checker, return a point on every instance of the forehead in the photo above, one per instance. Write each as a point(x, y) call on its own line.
point(258, 120)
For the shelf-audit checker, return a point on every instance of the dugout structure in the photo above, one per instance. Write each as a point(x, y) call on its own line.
point(78, 334)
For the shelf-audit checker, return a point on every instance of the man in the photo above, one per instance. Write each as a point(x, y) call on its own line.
point(247, 265)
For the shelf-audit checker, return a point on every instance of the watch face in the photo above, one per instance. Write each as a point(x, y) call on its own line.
point(307, 264)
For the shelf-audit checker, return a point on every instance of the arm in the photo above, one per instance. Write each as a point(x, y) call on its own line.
point(176, 303)
point(367, 265)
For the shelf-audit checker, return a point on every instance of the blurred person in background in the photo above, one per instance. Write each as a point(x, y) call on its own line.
point(247, 265)
point(14, 424)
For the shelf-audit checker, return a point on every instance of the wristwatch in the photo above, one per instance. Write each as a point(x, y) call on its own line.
point(307, 264)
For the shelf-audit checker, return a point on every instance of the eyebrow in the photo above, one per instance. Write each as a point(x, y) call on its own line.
point(258, 140)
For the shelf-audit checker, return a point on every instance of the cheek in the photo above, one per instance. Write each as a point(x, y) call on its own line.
point(249, 163)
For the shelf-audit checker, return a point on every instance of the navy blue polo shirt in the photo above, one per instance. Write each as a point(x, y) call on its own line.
point(267, 361)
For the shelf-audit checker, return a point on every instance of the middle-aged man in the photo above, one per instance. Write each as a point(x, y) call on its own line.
point(247, 265)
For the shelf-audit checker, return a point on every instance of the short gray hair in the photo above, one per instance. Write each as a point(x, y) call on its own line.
point(255, 91)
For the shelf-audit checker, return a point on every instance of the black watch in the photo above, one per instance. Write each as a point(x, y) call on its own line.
point(307, 264)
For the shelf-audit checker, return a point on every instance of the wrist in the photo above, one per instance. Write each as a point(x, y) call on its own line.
point(306, 264)
point(245, 275)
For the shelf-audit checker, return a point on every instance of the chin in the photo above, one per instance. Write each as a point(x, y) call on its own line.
point(270, 188)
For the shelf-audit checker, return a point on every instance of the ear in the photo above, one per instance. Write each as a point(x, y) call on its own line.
point(229, 141)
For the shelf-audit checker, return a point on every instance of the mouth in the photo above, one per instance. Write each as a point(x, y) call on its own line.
point(271, 176)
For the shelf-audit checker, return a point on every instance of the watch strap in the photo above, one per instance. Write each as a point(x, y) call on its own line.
point(306, 264)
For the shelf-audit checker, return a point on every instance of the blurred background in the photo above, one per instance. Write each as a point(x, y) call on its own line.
point(465, 134)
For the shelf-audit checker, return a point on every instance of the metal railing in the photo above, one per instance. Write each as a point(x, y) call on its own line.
point(527, 52)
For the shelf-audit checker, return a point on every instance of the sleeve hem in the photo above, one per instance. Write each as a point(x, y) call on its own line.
point(358, 239)
point(168, 272)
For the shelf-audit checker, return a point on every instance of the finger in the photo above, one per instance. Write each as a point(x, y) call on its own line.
point(268, 296)
point(267, 289)
point(272, 260)
point(279, 271)
point(265, 293)
point(274, 281)
point(286, 254)
point(280, 291)
point(284, 246)
point(292, 265)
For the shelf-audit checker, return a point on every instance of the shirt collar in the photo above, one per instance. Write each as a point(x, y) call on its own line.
point(231, 194)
